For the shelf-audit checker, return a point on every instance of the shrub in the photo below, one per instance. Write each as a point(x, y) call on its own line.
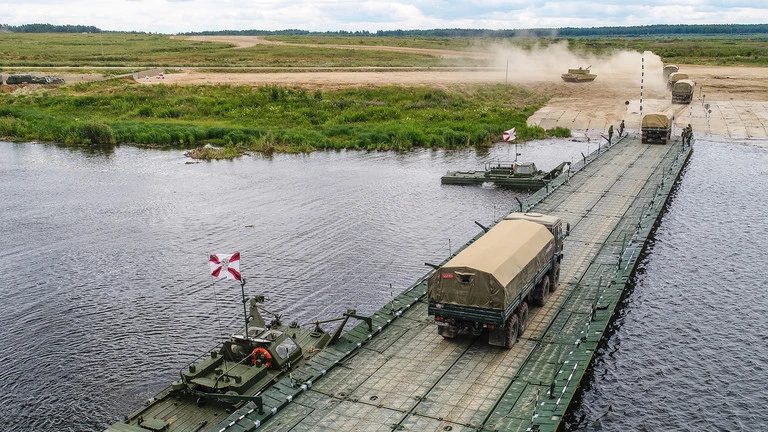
point(97, 133)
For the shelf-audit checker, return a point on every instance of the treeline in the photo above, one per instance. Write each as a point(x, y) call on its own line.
point(48, 28)
point(639, 31)
point(649, 30)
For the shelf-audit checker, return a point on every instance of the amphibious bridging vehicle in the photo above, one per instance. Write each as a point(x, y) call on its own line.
point(521, 175)
point(217, 383)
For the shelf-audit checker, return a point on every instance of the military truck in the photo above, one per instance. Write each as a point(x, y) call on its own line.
point(668, 70)
point(682, 91)
point(675, 77)
point(656, 128)
point(488, 286)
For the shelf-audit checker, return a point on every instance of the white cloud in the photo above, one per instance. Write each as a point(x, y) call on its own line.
point(174, 16)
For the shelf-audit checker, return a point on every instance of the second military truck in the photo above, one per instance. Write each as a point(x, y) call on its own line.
point(682, 91)
point(489, 285)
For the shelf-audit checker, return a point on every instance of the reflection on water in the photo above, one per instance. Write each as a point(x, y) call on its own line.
point(104, 290)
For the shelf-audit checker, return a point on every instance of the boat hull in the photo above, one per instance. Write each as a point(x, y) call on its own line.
point(477, 178)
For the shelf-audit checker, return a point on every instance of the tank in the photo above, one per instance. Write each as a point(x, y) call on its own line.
point(579, 75)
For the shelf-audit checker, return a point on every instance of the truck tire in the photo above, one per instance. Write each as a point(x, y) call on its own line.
point(446, 332)
point(555, 278)
point(511, 329)
point(522, 318)
point(541, 292)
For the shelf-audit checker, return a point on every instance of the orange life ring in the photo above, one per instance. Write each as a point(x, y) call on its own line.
point(258, 352)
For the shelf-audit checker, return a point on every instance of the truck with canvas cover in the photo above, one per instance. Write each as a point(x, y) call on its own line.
point(669, 70)
point(675, 77)
point(489, 285)
point(682, 91)
point(656, 128)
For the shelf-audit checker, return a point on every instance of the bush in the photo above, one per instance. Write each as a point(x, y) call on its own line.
point(97, 133)
point(560, 132)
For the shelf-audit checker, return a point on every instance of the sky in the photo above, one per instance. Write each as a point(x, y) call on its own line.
point(178, 16)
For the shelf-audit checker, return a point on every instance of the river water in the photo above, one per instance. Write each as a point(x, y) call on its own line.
point(105, 293)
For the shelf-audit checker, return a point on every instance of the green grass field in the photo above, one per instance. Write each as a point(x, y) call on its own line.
point(268, 119)
point(126, 50)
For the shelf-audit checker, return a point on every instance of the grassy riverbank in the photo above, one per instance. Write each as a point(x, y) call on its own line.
point(241, 119)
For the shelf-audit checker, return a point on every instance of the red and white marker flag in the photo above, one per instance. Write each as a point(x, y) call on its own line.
point(509, 135)
point(225, 266)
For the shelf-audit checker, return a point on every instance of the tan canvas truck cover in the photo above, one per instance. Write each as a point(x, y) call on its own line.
point(656, 120)
point(683, 86)
point(491, 272)
point(677, 76)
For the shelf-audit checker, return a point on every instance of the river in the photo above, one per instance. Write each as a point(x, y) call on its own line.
point(105, 293)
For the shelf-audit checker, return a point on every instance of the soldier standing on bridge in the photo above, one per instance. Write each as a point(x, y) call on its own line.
point(621, 128)
point(610, 134)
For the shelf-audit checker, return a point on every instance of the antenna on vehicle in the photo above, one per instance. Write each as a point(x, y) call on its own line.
point(245, 310)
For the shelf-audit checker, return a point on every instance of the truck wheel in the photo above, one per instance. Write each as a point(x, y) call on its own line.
point(510, 331)
point(446, 332)
point(522, 318)
point(541, 292)
point(555, 278)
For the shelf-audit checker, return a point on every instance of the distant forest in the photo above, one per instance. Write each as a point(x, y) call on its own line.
point(48, 28)
point(650, 30)
point(638, 31)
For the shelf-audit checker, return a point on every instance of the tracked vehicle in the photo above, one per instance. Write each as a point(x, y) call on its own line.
point(579, 75)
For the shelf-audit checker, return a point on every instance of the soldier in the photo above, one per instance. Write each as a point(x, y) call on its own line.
point(610, 134)
point(690, 133)
point(621, 128)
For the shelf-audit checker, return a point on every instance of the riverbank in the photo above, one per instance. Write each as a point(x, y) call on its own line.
point(226, 121)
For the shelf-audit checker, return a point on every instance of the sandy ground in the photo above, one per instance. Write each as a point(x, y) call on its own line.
point(729, 101)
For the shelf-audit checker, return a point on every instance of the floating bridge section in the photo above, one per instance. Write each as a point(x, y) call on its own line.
point(399, 374)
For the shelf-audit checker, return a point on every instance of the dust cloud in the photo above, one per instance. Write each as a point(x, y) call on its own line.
point(544, 63)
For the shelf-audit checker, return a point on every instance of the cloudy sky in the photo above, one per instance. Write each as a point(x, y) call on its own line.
point(175, 16)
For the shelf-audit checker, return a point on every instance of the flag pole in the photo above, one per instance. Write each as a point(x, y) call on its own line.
point(245, 310)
